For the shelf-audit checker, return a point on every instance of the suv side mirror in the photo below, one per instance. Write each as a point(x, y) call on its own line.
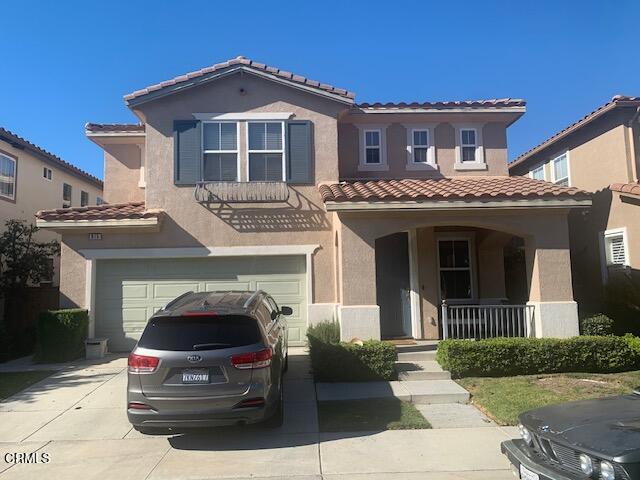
point(286, 310)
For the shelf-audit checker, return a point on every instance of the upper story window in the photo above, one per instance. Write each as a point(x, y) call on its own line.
point(99, 200)
point(372, 153)
point(420, 146)
point(469, 149)
point(67, 192)
point(468, 144)
point(560, 170)
point(7, 177)
point(84, 198)
point(46, 173)
point(372, 148)
point(266, 151)
point(220, 151)
point(538, 173)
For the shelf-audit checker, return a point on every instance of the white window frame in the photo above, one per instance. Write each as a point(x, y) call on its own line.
point(47, 173)
point(544, 172)
point(553, 169)
point(15, 176)
point(604, 265)
point(281, 151)
point(469, 237)
point(236, 151)
point(372, 167)
point(479, 163)
point(430, 164)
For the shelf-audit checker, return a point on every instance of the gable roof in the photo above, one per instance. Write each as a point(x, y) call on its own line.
point(616, 102)
point(239, 63)
point(630, 188)
point(18, 142)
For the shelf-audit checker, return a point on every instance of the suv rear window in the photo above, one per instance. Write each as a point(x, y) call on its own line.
point(200, 333)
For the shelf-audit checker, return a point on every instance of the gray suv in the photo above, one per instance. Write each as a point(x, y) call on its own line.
point(209, 359)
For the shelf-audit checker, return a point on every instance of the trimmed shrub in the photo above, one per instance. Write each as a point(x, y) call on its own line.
point(499, 357)
point(61, 335)
point(598, 324)
point(327, 332)
point(333, 361)
point(633, 342)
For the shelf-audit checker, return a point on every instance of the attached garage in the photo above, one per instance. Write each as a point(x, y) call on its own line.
point(129, 291)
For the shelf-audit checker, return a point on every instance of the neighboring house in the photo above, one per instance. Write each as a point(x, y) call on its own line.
point(244, 176)
point(600, 153)
point(32, 179)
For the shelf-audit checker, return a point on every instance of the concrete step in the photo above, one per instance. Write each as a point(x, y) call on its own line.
point(419, 346)
point(428, 356)
point(420, 392)
point(408, 371)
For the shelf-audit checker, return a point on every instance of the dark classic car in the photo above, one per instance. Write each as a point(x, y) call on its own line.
point(590, 439)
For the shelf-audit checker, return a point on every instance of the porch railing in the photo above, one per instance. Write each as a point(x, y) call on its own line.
point(241, 192)
point(487, 321)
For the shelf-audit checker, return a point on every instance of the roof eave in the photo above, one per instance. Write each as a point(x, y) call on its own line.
point(106, 224)
point(516, 109)
point(210, 77)
point(455, 205)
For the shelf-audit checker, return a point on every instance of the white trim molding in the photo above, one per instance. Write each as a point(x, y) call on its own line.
point(414, 283)
point(479, 163)
point(553, 169)
point(430, 164)
point(242, 116)
point(372, 167)
point(538, 168)
point(101, 224)
point(603, 237)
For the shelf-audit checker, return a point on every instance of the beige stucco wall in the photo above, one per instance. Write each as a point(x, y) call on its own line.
point(494, 142)
point(122, 180)
point(34, 192)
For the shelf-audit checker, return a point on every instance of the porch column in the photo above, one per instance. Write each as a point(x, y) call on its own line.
point(549, 277)
point(359, 314)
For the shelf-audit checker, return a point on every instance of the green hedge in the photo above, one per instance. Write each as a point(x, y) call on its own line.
point(333, 361)
point(598, 324)
point(61, 335)
point(499, 357)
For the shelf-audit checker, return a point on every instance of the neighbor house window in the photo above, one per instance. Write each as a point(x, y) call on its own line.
point(538, 173)
point(614, 250)
point(266, 151)
point(468, 144)
point(455, 266)
point(220, 151)
point(372, 147)
point(560, 170)
point(84, 198)
point(66, 195)
point(420, 146)
point(99, 200)
point(7, 177)
point(46, 173)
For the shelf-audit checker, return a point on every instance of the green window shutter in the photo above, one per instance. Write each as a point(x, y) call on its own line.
point(187, 156)
point(299, 151)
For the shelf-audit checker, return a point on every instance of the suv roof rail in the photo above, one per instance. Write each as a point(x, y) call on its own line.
point(253, 296)
point(177, 299)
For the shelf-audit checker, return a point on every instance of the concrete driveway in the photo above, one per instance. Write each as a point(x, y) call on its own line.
point(77, 417)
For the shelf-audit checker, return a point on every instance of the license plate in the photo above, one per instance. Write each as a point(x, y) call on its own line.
point(526, 474)
point(200, 375)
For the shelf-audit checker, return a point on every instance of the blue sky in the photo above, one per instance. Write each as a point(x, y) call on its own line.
point(68, 62)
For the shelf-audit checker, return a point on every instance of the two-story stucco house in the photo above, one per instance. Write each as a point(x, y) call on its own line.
point(32, 179)
point(244, 176)
point(600, 153)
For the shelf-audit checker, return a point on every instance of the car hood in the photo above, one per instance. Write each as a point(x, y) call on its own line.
point(609, 427)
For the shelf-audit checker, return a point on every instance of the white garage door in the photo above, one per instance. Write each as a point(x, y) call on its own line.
point(128, 292)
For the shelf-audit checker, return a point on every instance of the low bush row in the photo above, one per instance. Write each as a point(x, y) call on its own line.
point(335, 361)
point(498, 357)
point(61, 335)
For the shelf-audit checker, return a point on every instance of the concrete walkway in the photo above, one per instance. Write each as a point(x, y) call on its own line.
point(77, 416)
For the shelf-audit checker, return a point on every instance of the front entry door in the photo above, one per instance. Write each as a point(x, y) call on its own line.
point(392, 285)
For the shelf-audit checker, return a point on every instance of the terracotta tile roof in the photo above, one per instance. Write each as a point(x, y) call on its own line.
point(117, 211)
point(17, 141)
point(631, 188)
point(242, 61)
point(114, 127)
point(455, 188)
point(492, 103)
point(616, 101)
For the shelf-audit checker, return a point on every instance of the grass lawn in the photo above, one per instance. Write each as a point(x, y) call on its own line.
point(363, 415)
point(503, 399)
point(13, 382)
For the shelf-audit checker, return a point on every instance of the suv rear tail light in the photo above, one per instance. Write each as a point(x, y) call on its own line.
point(259, 359)
point(142, 363)
point(138, 406)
